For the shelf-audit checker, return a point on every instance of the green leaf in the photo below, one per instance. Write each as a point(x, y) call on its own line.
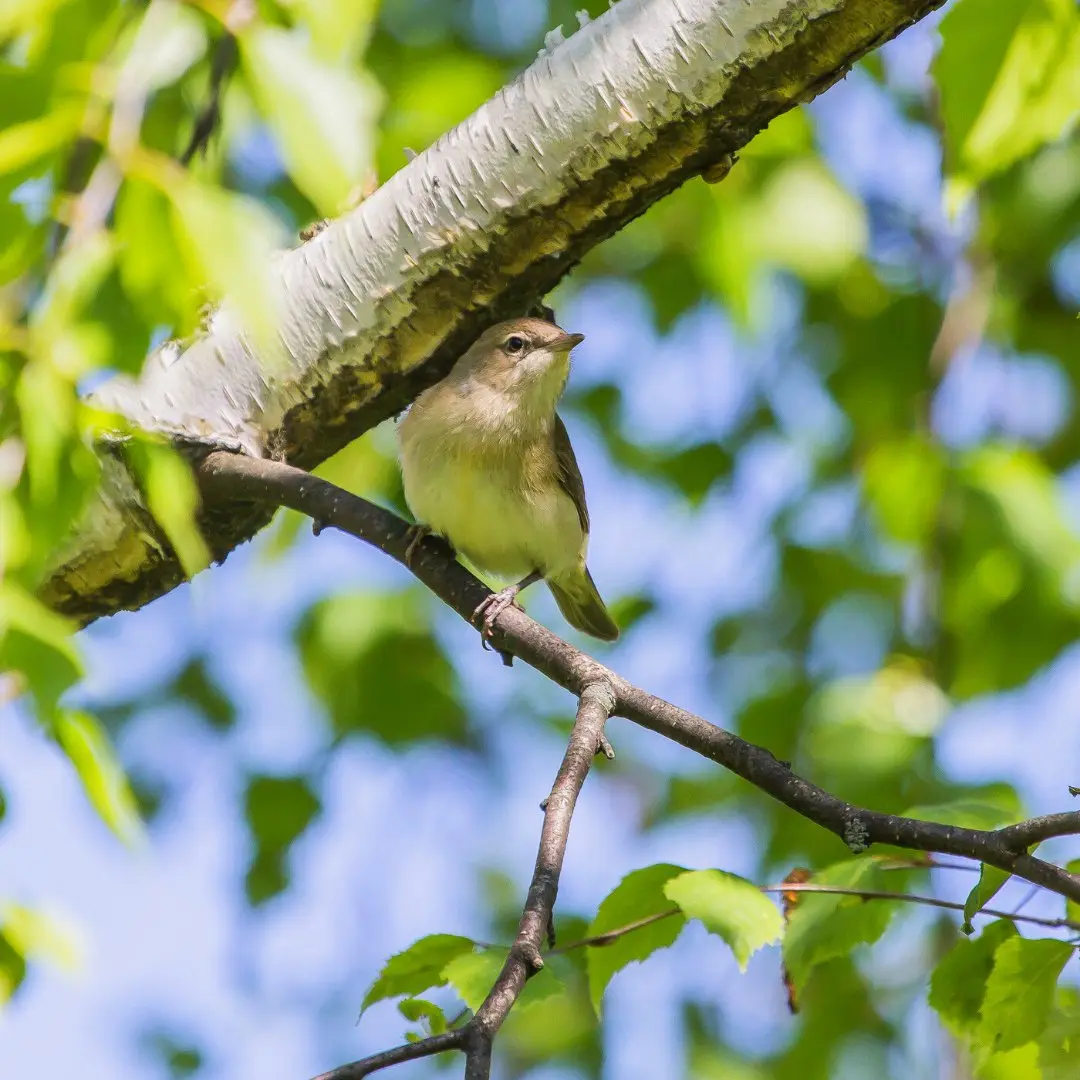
point(991, 879)
point(278, 810)
point(824, 926)
point(639, 895)
point(323, 116)
point(1059, 1046)
point(195, 685)
point(103, 779)
point(1029, 500)
point(473, 974)
point(1009, 76)
point(12, 969)
point(38, 643)
point(958, 984)
point(417, 968)
point(730, 906)
point(415, 1009)
point(904, 481)
point(151, 261)
point(172, 496)
point(339, 31)
point(228, 241)
point(1020, 991)
point(374, 663)
point(169, 39)
point(22, 144)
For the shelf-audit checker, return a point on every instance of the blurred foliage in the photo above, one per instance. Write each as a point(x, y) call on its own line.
point(926, 555)
point(278, 810)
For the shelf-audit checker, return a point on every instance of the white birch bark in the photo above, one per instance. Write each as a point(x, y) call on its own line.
point(474, 229)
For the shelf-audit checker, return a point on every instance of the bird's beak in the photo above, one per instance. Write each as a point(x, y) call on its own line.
point(565, 342)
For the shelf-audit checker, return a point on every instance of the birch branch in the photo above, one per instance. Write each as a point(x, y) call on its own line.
point(475, 229)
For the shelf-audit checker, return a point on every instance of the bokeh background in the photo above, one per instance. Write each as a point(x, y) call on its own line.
point(825, 416)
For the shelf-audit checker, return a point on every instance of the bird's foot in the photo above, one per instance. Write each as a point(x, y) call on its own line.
point(416, 534)
point(491, 607)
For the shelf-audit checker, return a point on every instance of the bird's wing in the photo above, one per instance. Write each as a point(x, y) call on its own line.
point(569, 475)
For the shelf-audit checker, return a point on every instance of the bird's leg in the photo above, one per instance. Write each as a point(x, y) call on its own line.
point(491, 607)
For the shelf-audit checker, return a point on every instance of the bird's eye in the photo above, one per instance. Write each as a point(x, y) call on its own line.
point(515, 344)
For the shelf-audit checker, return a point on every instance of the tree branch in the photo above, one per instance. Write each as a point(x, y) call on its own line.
point(225, 477)
point(597, 700)
point(523, 960)
point(475, 229)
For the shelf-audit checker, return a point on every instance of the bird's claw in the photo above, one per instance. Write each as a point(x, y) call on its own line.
point(417, 535)
point(491, 607)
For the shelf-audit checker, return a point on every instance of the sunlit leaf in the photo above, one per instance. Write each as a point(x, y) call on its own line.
point(339, 30)
point(172, 496)
point(24, 143)
point(729, 906)
point(1009, 77)
point(417, 968)
point(38, 643)
point(169, 39)
point(1020, 991)
point(418, 1009)
point(969, 813)
point(41, 936)
point(958, 984)
point(229, 241)
point(323, 116)
point(473, 974)
point(638, 897)
point(1072, 907)
point(904, 481)
point(103, 778)
point(12, 969)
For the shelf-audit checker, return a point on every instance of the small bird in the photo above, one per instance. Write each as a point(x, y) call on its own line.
point(488, 466)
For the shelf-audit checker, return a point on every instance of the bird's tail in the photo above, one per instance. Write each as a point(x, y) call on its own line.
point(580, 603)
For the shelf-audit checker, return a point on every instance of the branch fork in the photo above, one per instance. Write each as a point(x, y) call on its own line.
point(601, 694)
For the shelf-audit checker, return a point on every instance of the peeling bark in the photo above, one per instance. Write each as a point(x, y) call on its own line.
point(475, 229)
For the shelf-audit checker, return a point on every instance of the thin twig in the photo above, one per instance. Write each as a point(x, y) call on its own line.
point(598, 941)
point(1028, 897)
point(228, 476)
point(914, 898)
point(435, 1044)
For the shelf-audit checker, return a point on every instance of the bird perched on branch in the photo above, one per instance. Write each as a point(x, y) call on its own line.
point(488, 466)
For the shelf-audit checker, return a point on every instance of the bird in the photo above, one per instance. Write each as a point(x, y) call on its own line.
point(488, 467)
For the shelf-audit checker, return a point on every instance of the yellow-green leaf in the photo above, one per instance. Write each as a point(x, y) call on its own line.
point(1020, 991)
point(173, 498)
point(104, 781)
point(1009, 77)
point(729, 906)
point(322, 115)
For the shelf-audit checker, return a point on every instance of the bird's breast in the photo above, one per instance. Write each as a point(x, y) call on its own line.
point(495, 499)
